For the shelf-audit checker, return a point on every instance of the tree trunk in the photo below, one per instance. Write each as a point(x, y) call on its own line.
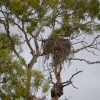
point(28, 83)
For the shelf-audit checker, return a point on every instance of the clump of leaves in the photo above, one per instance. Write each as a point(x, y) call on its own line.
point(12, 74)
point(39, 81)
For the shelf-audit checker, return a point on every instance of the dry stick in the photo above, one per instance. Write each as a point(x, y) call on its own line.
point(88, 62)
point(70, 80)
point(89, 45)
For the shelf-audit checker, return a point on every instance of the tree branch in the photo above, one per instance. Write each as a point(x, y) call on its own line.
point(89, 45)
point(12, 42)
point(88, 62)
point(37, 34)
point(70, 80)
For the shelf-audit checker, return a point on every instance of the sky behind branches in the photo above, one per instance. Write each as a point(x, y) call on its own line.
point(87, 82)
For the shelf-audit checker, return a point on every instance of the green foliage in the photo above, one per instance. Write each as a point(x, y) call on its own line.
point(56, 31)
point(39, 81)
point(77, 14)
point(12, 74)
point(31, 26)
point(45, 87)
point(72, 13)
point(94, 8)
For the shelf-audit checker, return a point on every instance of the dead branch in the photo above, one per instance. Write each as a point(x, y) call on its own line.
point(57, 89)
point(70, 80)
point(50, 76)
point(89, 50)
point(89, 45)
point(88, 62)
point(66, 98)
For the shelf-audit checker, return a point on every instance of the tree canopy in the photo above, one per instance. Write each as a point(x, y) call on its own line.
point(29, 19)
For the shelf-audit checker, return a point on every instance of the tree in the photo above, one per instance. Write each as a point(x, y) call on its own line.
point(68, 19)
point(12, 73)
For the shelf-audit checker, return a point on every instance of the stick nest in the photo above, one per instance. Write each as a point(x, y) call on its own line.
point(58, 47)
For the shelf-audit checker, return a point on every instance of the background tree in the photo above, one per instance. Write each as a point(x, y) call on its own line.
point(13, 74)
point(70, 19)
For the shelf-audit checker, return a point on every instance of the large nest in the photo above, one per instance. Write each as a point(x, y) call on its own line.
point(59, 48)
